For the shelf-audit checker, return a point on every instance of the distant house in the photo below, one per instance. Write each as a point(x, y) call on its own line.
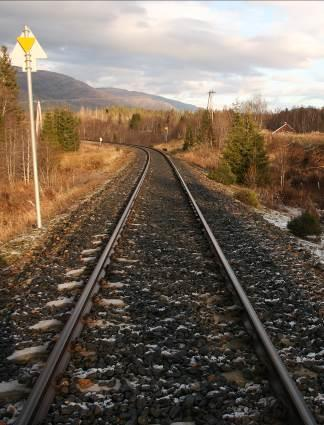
point(285, 128)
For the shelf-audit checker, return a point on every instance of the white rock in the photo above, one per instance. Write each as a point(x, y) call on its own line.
point(44, 325)
point(26, 354)
point(69, 285)
point(75, 272)
point(60, 302)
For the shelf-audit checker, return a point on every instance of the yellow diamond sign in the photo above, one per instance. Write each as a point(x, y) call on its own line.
point(26, 43)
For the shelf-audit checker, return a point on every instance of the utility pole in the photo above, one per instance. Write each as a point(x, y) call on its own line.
point(210, 110)
point(25, 53)
point(210, 106)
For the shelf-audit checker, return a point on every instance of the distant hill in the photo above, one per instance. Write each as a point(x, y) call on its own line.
point(53, 88)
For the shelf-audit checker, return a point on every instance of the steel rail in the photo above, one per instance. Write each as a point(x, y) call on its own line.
point(42, 394)
point(284, 387)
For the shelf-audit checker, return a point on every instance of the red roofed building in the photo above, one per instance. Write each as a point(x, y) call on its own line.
point(285, 128)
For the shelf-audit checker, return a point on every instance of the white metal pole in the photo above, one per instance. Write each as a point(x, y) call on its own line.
point(32, 133)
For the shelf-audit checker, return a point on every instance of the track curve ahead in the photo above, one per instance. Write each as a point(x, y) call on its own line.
point(168, 344)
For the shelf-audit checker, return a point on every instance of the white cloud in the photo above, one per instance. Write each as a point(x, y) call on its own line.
point(179, 49)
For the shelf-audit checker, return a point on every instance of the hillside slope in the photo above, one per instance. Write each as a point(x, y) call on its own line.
point(57, 89)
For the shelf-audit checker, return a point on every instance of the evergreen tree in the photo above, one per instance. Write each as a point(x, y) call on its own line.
point(60, 130)
point(189, 139)
point(245, 151)
point(8, 78)
point(49, 133)
point(135, 121)
point(9, 107)
point(205, 131)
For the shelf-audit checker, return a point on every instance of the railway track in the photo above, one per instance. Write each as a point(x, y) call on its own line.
point(155, 336)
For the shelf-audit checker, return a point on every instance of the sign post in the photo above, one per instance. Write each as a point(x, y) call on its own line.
point(25, 53)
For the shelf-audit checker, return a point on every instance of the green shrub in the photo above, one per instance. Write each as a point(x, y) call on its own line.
point(222, 174)
point(245, 151)
point(248, 197)
point(305, 224)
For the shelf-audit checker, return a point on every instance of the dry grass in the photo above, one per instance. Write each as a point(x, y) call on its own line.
point(172, 146)
point(203, 156)
point(76, 174)
point(314, 138)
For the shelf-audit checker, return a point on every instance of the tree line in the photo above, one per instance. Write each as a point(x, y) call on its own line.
point(233, 135)
point(302, 119)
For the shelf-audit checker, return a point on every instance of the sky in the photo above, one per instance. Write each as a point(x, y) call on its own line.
point(182, 49)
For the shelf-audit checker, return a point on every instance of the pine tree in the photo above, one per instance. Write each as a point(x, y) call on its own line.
point(135, 121)
point(189, 139)
point(245, 151)
point(8, 91)
point(206, 128)
point(60, 130)
point(68, 131)
point(8, 77)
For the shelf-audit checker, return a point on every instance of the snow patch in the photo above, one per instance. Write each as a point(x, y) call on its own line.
point(281, 218)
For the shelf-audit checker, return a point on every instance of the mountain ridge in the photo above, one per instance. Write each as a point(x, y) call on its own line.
point(54, 89)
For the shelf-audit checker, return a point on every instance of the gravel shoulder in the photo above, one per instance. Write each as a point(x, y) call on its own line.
point(284, 281)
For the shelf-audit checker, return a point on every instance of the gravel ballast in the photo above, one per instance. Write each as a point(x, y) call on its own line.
point(164, 343)
point(284, 282)
point(38, 293)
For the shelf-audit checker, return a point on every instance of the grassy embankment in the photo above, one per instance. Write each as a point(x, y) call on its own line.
point(203, 156)
point(299, 157)
point(75, 175)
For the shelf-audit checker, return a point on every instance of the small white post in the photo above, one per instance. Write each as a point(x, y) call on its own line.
point(32, 132)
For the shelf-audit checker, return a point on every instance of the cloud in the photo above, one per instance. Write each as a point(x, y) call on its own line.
point(179, 49)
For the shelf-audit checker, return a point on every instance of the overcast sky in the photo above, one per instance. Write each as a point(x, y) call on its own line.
point(182, 49)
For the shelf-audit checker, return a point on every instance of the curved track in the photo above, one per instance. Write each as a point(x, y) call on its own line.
point(170, 242)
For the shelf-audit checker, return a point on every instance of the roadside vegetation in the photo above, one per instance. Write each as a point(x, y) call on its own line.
point(233, 146)
point(306, 224)
point(67, 171)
